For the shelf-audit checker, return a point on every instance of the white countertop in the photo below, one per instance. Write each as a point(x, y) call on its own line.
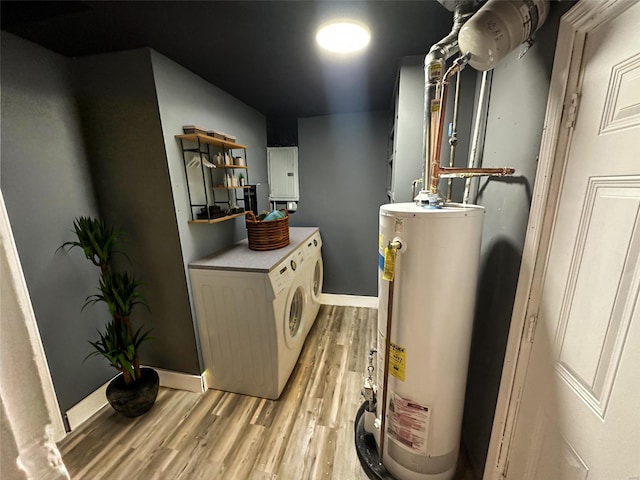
point(240, 257)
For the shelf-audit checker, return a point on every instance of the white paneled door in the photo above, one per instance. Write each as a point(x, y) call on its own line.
point(578, 416)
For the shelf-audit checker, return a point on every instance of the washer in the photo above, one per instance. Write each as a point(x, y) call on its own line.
point(252, 310)
point(314, 272)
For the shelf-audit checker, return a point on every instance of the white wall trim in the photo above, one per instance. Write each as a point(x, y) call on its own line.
point(180, 381)
point(87, 407)
point(574, 25)
point(348, 300)
point(92, 403)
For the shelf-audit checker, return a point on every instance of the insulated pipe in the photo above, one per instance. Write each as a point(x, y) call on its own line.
point(433, 69)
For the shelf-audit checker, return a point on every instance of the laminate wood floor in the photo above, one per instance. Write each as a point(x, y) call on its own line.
point(306, 434)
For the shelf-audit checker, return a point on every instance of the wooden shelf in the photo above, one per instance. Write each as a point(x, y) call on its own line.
point(217, 220)
point(194, 137)
point(199, 143)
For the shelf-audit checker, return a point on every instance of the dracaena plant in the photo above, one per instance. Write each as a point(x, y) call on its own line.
point(96, 239)
point(120, 348)
point(119, 291)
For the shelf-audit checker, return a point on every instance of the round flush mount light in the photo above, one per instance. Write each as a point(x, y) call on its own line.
point(343, 36)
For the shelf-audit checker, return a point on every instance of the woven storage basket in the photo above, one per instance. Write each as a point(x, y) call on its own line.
point(267, 235)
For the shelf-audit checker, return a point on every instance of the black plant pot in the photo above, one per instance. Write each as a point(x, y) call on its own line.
point(136, 398)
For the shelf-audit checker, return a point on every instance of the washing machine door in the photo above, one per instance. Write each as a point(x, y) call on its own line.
point(294, 316)
point(317, 277)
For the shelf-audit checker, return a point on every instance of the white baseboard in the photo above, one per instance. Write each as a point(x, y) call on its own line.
point(180, 381)
point(92, 403)
point(87, 407)
point(348, 300)
point(206, 379)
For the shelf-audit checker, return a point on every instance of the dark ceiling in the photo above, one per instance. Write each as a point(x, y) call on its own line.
point(261, 52)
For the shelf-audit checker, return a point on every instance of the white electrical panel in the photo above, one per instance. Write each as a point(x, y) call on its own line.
point(282, 163)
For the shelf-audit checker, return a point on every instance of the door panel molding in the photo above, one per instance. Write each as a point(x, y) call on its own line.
point(622, 106)
point(619, 199)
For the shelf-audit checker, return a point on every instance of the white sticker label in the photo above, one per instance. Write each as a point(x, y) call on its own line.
point(408, 423)
point(399, 225)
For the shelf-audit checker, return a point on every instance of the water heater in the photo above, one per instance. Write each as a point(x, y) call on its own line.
point(432, 307)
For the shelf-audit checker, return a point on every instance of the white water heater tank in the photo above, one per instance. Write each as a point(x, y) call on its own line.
point(436, 273)
point(499, 27)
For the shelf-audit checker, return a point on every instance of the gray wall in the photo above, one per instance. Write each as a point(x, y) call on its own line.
point(186, 99)
point(126, 151)
point(86, 132)
point(342, 185)
point(407, 161)
point(46, 183)
point(516, 114)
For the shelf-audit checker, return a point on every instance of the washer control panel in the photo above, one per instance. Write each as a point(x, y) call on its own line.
point(280, 277)
point(312, 245)
point(283, 274)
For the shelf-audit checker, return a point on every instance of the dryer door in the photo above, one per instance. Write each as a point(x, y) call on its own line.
point(294, 319)
point(317, 277)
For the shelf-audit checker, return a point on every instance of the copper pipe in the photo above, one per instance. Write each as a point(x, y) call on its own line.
point(395, 245)
point(385, 378)
point(435, 158)
point(446, 172)
point(436, 170)
point(439, 53)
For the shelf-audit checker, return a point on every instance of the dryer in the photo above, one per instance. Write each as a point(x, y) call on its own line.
point(314, 273)
point(252, 310)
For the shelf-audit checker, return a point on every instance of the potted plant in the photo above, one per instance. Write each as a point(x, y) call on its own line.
point(134, 391)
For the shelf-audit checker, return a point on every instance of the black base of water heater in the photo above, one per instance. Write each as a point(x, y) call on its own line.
point(368, 450)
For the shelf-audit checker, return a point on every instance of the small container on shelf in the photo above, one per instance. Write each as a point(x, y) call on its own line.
point(188, 129)
point(214, 212)
point(221, 135)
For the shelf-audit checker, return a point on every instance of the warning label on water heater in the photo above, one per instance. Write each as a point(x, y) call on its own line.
point(397, 361)
point(408, 423)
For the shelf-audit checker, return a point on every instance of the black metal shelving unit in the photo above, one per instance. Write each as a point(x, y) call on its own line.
point(205, 149)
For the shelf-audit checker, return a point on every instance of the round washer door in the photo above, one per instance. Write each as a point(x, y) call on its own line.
point(317, 277)
point(294, 311)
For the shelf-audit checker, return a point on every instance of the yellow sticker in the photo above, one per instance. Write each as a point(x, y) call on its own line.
point(397, 361)
point(380, 241)
point(389, 264)
point(434, 71)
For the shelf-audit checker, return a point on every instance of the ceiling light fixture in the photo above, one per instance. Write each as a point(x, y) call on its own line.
point(343, 36)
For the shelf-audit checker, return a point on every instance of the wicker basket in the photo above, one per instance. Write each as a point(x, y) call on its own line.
point(267, 235)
